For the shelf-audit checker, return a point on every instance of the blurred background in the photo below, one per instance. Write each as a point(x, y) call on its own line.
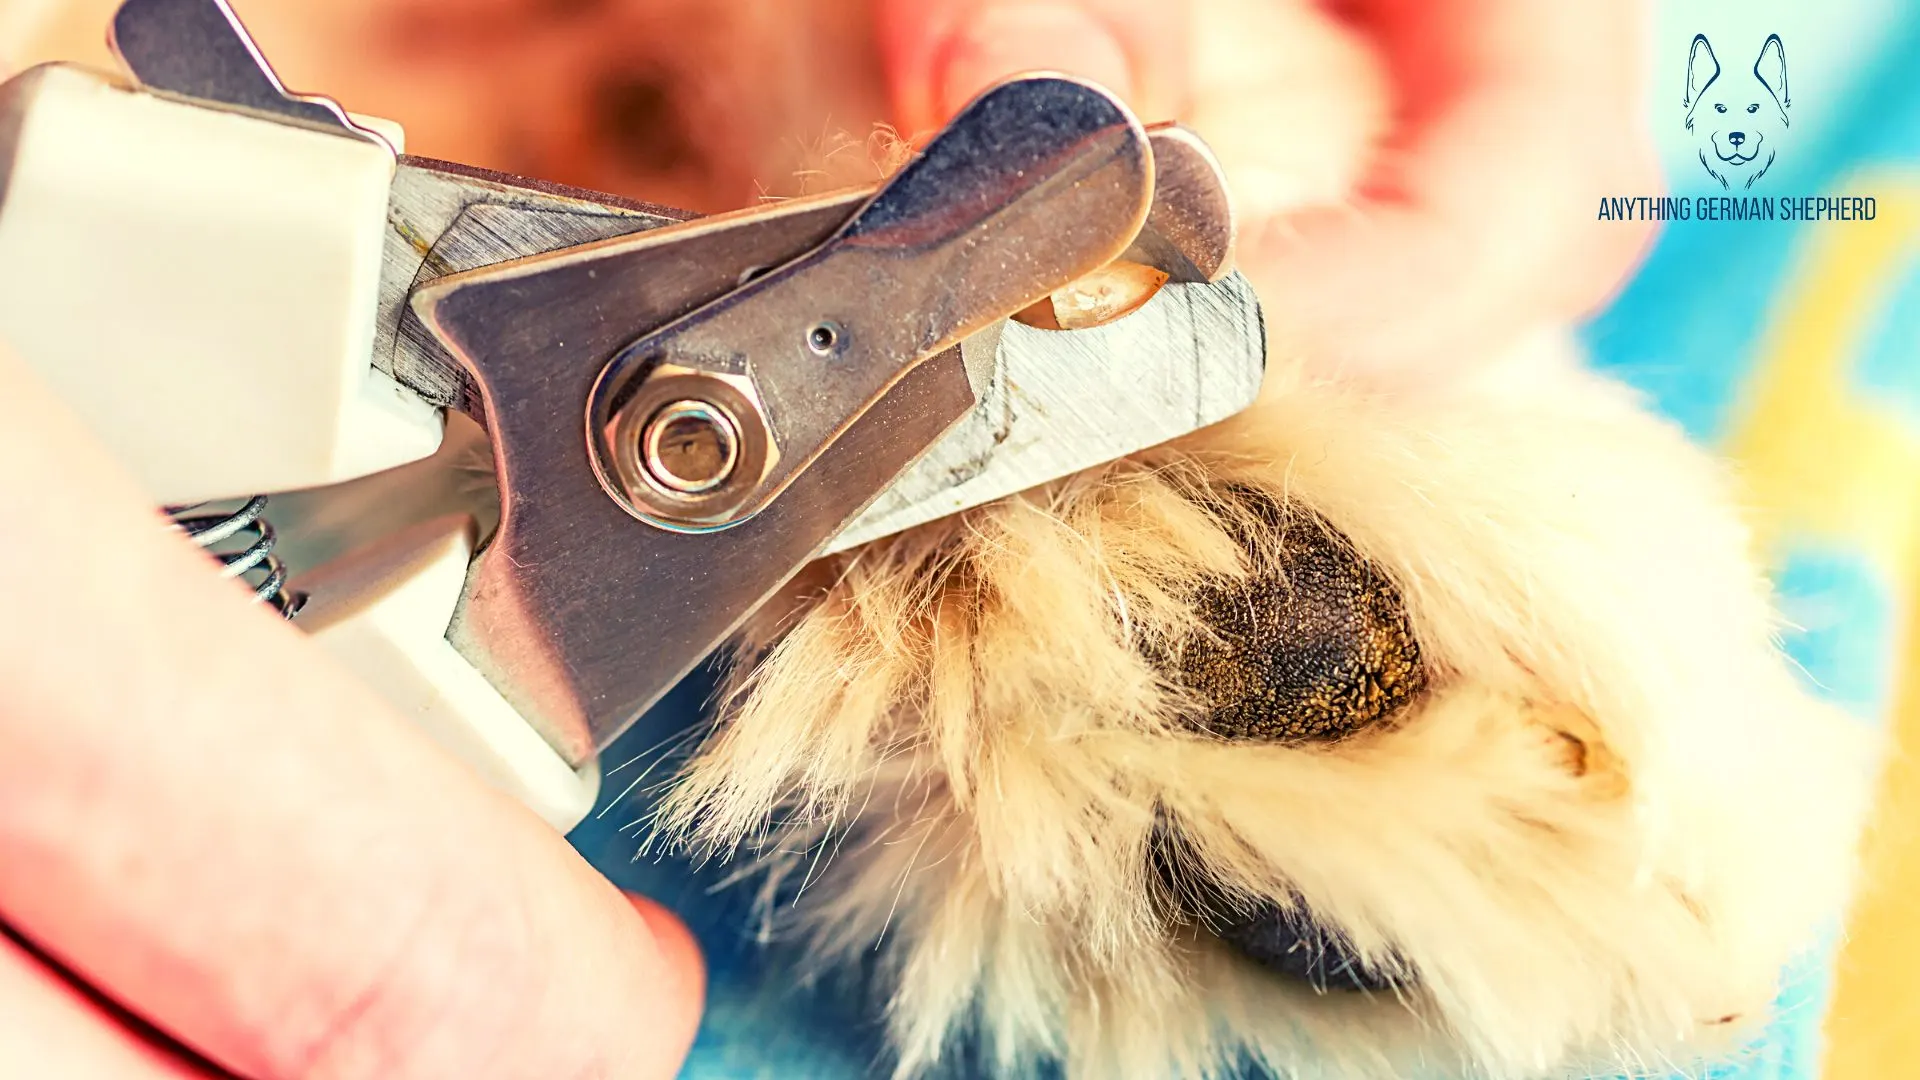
point(1793, 348)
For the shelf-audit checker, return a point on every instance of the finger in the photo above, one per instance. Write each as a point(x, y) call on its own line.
point(938, 54)
point(677, 944)
point(49, 1027)
point(202, 817)
point(1478, 217)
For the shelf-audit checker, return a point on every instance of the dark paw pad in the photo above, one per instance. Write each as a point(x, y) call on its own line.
point(1285, 938)
point(1316, 647)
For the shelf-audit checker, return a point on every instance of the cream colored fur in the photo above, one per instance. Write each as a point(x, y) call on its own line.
point(967, 704)
point(1591, 844)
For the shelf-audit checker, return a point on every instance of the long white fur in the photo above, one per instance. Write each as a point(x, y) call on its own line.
point(1593, 842)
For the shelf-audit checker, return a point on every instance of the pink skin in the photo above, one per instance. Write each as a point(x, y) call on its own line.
point(232, 838)
point(206, 820)
point(1514, 118)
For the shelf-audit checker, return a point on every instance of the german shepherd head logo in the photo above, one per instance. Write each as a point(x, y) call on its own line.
point(1737, 120)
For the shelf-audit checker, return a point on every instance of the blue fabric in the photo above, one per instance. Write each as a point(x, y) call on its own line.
point(1886, 364)
point(1689, 330)
point(759, 1022)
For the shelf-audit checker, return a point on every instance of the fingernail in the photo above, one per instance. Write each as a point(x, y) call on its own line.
point(1003, 39)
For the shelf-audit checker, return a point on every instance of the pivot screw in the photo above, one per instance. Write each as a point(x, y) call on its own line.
point(684, 449)
point(690, 447)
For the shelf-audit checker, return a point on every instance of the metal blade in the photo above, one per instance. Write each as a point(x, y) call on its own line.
point(197, 49)
point(1035, 183)
point(578, 614)
point(444, 218)
point(1059, 402)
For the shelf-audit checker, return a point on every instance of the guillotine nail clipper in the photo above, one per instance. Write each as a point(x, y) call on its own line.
point(247, 290)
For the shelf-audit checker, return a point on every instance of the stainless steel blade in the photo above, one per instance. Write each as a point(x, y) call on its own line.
point(1057, 402)
point(578, 614)
point(443, 218)
point(1033, 184)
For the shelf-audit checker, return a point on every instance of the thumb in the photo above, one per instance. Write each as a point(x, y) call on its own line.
point(682, 985)
point(938, 54)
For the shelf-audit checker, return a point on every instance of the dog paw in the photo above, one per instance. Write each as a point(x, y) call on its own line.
point(1356, 732)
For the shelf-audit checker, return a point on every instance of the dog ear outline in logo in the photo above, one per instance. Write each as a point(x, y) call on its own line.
point(1739, 122)
point(1697, 86)
point(1775, 80)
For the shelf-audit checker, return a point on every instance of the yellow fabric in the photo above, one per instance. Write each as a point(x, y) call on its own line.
point(1823, 461)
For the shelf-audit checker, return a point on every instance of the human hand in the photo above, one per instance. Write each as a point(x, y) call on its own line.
point(1472, 220)
point(235, 841)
